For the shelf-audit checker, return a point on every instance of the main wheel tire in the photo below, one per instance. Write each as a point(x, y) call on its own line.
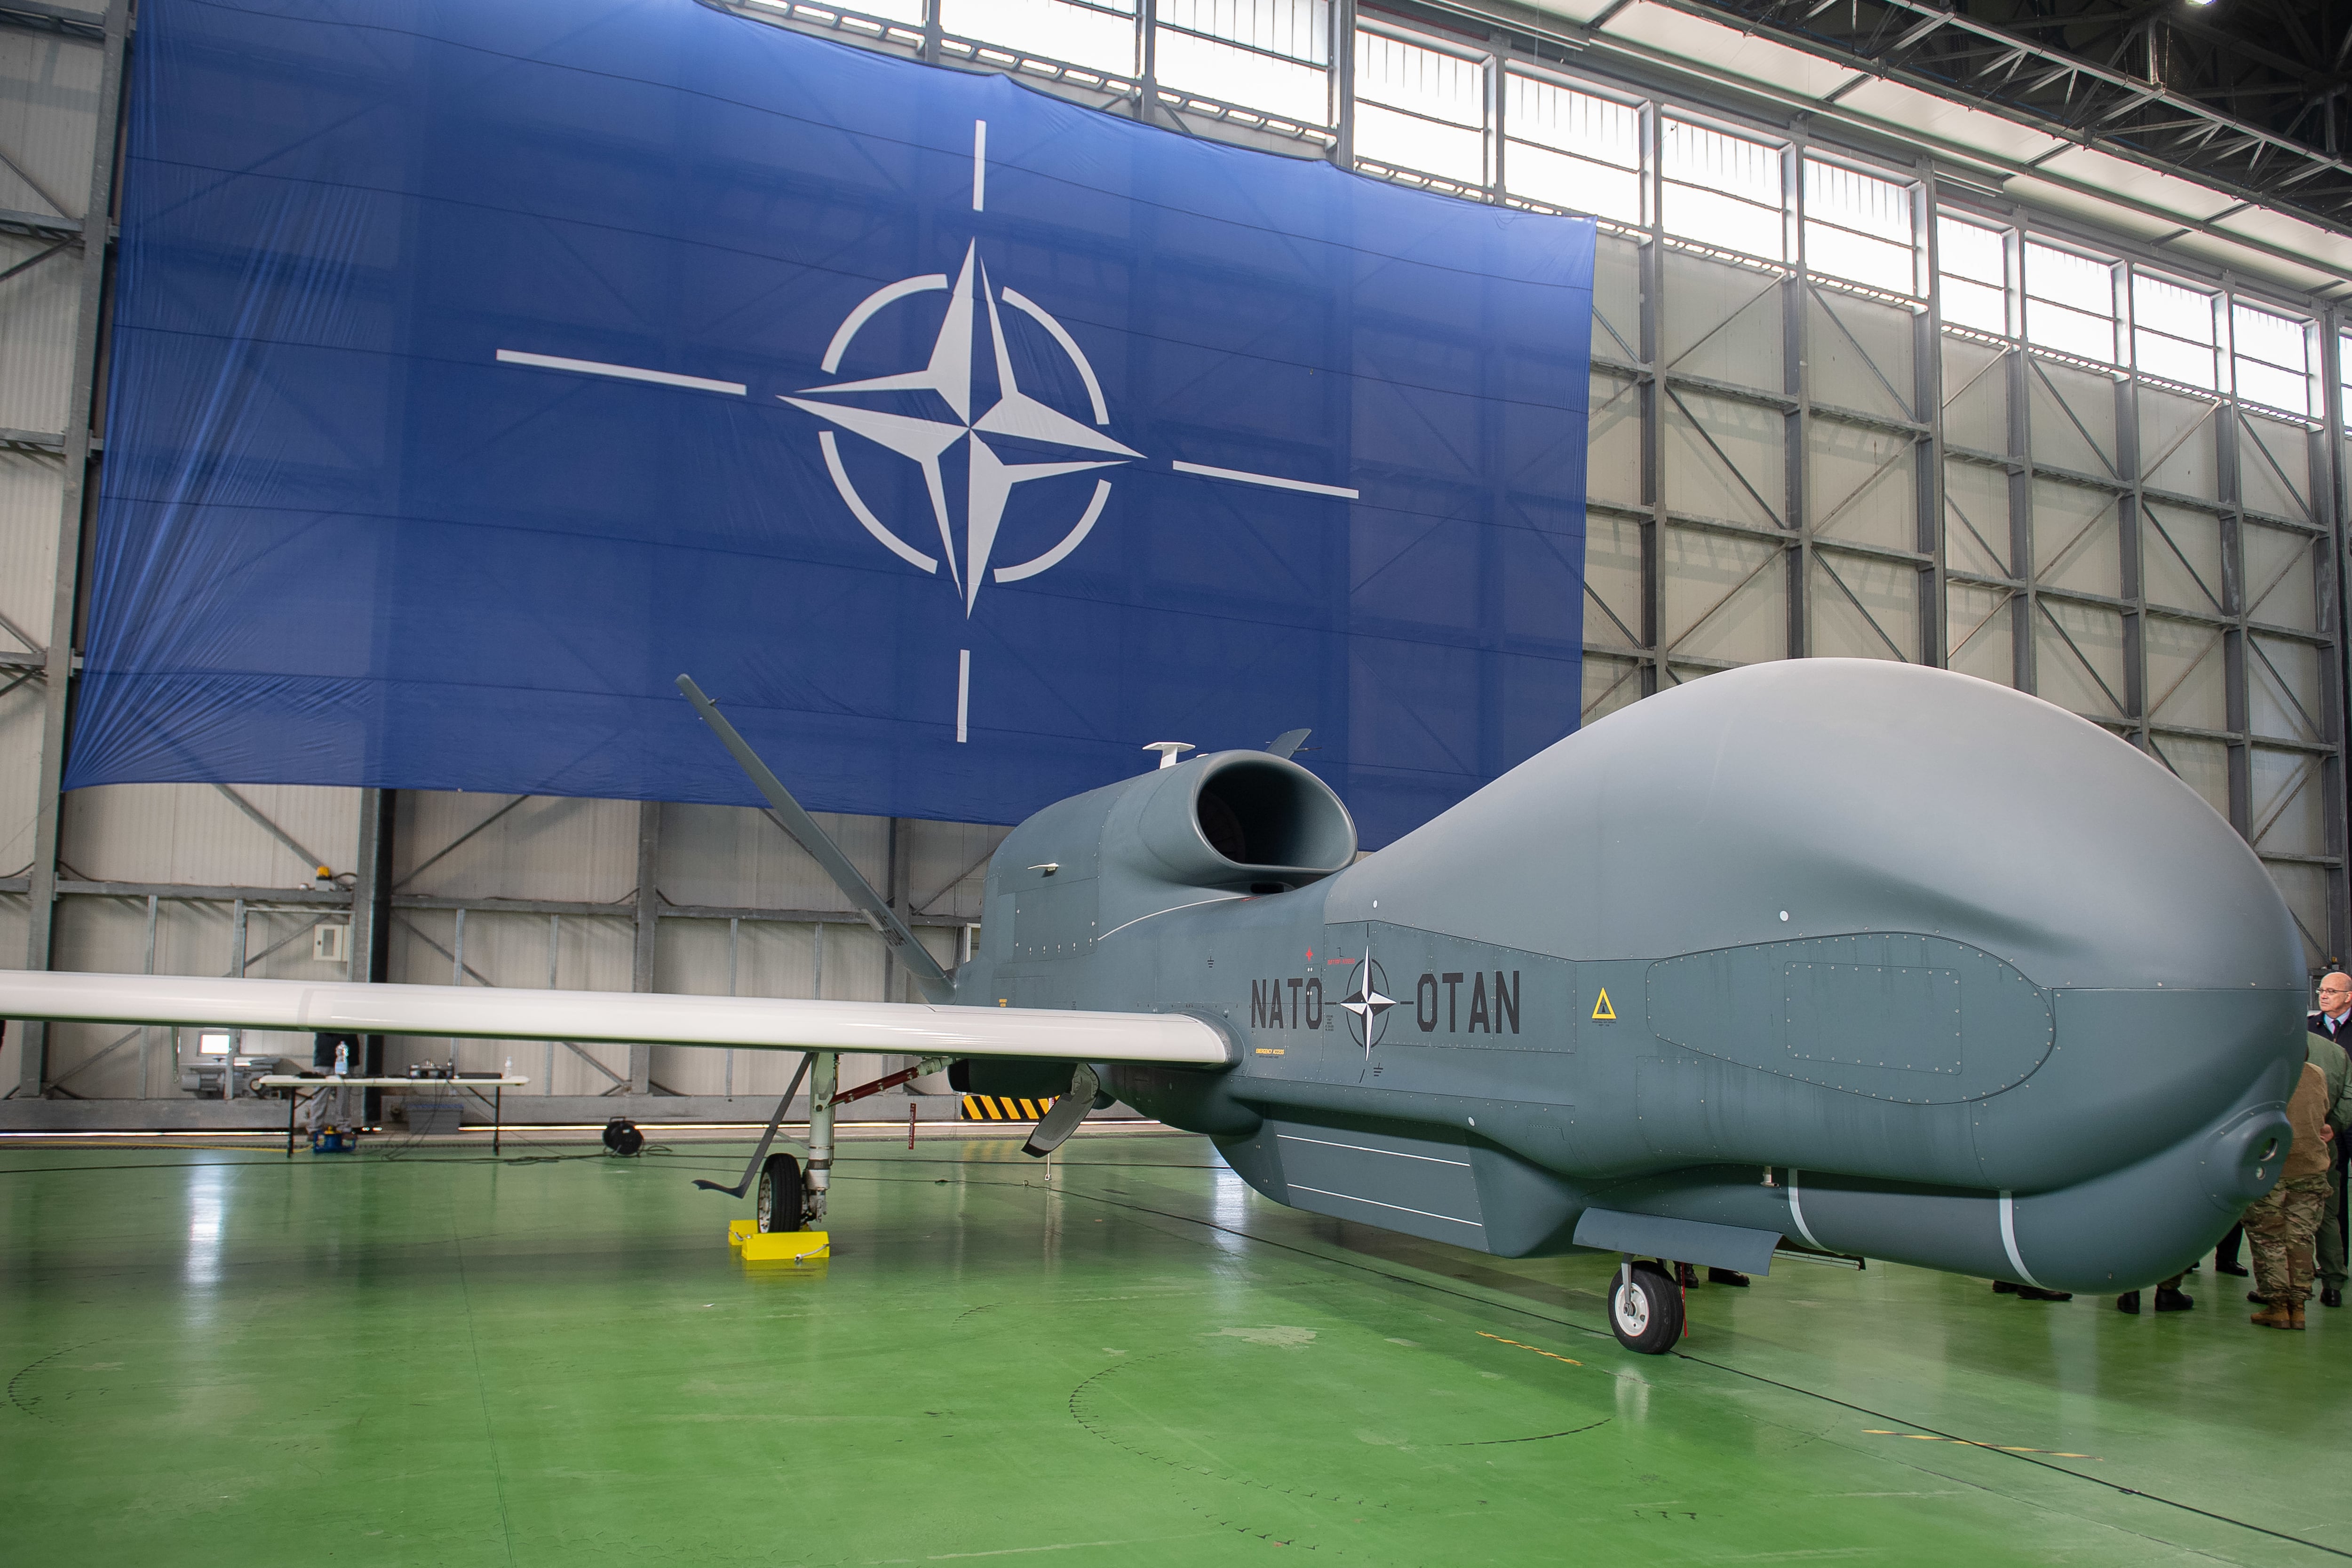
point(1645, 1309)
point(782, 1201)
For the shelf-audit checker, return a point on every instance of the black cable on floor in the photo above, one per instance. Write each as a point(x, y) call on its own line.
point(2028, 1458)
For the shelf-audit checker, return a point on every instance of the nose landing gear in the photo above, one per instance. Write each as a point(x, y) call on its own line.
point(1645, 1308)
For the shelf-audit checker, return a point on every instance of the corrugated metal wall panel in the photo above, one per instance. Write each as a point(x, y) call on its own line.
point(49, 111)
point(773, 958)
point(594, 953)
point(110, 935)
point(37, 310)
point(49, 107)
point(192, 834)
point(20, 780)
point(548, 847)
point(734, 857)
point(32, 489)
point(947, 872)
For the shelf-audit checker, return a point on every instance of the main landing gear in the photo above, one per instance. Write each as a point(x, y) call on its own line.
point(1645, 1308)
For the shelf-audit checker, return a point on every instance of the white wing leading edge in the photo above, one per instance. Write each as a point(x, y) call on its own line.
point(624, 1016)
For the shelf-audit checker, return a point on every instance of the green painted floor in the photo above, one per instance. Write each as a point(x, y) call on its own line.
point(221, 1357)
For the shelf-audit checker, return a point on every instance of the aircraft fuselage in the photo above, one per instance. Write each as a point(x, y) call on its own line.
point(2053, 1044)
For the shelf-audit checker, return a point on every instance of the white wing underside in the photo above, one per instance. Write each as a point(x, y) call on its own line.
point(753, 1023)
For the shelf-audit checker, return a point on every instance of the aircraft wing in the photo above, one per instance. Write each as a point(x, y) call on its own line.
point(753, 1023)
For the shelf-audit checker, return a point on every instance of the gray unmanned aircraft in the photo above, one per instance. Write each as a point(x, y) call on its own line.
point(1832, 956)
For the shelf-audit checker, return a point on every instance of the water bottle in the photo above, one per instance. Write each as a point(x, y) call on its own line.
point(343, 1059)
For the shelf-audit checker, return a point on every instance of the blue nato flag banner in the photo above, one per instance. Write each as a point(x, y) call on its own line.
point(479, 368)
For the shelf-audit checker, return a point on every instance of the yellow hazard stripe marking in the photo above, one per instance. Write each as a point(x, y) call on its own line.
point(1002, 1108)
point(1546, 1354)
point(1972, 1443)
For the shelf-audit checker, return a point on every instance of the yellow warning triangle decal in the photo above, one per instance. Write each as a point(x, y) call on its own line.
point(1602, 1011)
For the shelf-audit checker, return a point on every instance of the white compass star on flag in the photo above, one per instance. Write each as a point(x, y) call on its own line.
point(1014, 416)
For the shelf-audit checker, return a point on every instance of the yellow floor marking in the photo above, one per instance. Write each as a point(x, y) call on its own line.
point(1972, 1443)
point(1500, 1339)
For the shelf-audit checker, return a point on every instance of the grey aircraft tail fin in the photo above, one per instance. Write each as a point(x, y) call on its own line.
point(934, 980)
point(1287, 742)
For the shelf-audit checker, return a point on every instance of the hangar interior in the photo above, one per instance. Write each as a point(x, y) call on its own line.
point(1955, 337)
point(1875, 373)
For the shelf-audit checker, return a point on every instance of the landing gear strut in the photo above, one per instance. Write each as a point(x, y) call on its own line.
point(824, 1082)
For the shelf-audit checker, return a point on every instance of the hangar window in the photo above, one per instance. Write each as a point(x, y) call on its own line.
point(2070, 303)
point(1270, 55)
point(2271, 356)
point(1859, 227)
point(1722, 190)
point(1098, 37)
point(1419, 109)
point(1972, 275)
point(2173, 331)
point(1571, 148)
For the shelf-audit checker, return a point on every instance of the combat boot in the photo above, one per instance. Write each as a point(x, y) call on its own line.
point(2171, 1298)
point(2277, 1315)
point(2295, 1314)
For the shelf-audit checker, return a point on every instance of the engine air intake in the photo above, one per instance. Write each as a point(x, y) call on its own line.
point(1247, 821)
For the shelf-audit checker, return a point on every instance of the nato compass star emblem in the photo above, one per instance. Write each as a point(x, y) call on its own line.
point(1365, 1006)
point(973, 432)
point(953, 401)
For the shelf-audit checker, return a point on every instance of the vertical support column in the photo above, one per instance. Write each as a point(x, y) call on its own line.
point(147, 1036)
point(641, 970)
point(897, 877)
point(236, 965)
point(1147, 61)
point(56, 674)
point(457, 971)
point(2025, 604)
point(1497, 176)
point(370, 937)
point(2239, 718)
point(734, 955)
point(1653, 676)
point(2334, 616)
point(1797, 428)
point(554, 946)
point(1928, 395)
point(1343, 83)
point(825, 1080)
point(2127, 534)
point(372, 888)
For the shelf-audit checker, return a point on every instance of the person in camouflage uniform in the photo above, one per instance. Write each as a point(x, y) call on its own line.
point(2281, 1225)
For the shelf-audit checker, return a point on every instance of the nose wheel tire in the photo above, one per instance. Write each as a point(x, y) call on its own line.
point(1645, 1309)
point(782, 1201)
